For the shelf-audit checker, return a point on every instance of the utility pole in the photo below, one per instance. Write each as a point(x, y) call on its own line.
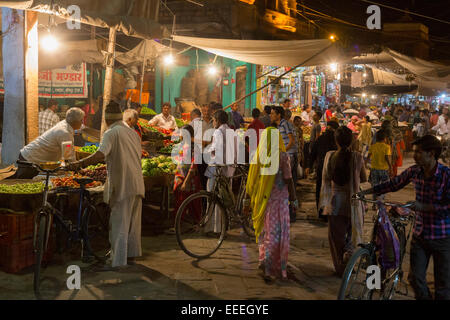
point(110, 59)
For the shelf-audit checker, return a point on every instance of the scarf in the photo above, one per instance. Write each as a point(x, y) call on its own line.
point(261, 175)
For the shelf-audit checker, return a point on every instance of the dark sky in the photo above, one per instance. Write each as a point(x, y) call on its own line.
point(355, 12)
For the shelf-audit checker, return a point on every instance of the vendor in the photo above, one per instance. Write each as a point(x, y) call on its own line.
point(48, 146)
point(164, 120)
point(121, 149)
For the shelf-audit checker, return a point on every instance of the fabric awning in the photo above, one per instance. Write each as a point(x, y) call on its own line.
point(279, 53)
point(133, 18)
point(147, 48)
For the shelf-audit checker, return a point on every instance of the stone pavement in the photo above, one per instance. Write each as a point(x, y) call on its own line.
point(166, 272)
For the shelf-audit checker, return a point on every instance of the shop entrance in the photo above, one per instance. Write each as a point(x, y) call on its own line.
point(241, 87)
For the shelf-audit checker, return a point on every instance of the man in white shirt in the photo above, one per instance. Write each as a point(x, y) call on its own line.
point(164, 120)
point(443, 125)
point(307, 114)
point(48, 118)
point(48, 147)
point(124, 190)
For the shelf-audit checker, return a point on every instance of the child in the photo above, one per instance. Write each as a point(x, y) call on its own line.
point(380, 155)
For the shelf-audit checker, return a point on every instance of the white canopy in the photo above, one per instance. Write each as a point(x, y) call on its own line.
point(280, 53)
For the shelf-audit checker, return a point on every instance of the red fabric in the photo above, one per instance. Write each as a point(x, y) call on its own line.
point(434, 120)
point(257, 125)
point(328, 114)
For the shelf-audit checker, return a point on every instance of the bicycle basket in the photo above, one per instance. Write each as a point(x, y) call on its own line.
point(387, 241)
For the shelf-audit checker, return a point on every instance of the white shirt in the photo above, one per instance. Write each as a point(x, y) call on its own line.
point(122, 149)
point(222, 151)
point(161, 121)
point(441, 127)
point(47, 147)
point(306, 117)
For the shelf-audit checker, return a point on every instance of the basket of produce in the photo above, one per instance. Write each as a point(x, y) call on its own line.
point(147, 113)
point(50, 165)
point(86, 151)
point(158, 171)
point(68, 181)
point(21, 195)
point(96, 172)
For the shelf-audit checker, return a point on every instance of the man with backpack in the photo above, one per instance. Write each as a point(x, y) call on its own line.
point(431, 236)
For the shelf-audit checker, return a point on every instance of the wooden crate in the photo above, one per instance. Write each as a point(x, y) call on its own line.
point(16, 227)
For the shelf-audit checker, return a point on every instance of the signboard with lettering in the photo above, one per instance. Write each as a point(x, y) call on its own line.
point(68, 82)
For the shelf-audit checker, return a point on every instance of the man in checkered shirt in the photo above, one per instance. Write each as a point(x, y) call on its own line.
point(48, 118)
point(432, 227)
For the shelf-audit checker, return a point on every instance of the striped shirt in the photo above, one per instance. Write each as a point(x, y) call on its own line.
point(286, 128)
point(47, 120)
point(434, 191)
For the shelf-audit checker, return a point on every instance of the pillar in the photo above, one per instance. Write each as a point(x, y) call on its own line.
point(20, 74)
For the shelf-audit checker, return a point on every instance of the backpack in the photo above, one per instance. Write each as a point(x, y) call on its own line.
point(387, 241)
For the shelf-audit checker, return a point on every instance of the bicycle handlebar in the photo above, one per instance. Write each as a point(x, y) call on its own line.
point(409, 204)
point(38, 167)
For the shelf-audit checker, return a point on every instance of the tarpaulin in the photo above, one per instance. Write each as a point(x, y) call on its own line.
point(149, 49)
point(279, 53)
point(132, 17)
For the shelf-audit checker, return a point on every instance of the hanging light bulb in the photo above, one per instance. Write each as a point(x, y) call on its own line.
point(169, 60)
point(333, 67)
point(212, 70)
point(49, 42)
point(364, 95)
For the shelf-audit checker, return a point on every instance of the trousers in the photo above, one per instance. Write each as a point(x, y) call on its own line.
point(420, 253)
point(125, 230)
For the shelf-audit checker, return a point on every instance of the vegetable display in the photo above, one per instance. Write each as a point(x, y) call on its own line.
point(158, 166)
point(180, 122)
point(22, 188)
point(89, 149)
point(96, 172)
point(70, 182)
point(147, 111)
point(306, 137)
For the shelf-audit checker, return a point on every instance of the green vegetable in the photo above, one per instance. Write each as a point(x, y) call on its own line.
point(147, 111)
point(180, 122)
point(89, 149)
point(24, 188)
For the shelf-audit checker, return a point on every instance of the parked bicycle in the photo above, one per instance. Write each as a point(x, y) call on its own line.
point(88, 225)
point(354, 281)
point(197, 213)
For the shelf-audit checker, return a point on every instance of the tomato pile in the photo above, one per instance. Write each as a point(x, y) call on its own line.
point(70, 182)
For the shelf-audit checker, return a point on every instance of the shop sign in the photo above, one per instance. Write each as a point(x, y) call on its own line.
point(68, 82)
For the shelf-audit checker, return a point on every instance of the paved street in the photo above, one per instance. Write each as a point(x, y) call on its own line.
point(165, 272)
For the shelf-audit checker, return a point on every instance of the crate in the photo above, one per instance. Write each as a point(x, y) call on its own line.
point(20, 255)
point(16, 227)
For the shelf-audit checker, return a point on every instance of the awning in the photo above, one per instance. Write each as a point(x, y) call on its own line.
point(279, 53)
point(133, 18)
point(149, 49)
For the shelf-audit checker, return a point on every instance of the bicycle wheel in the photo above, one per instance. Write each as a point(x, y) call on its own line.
point(95, 232)
point(41, 221)
point(200, 225)
point(247, 224)
point(353, 285)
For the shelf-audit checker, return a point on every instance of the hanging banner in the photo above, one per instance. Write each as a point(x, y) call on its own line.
point(68, 82)
point(356, 80)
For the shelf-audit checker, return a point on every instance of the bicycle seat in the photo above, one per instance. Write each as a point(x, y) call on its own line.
point(83, 181)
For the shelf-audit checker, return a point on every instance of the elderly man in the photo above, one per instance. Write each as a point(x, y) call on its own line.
point(48, 118)
point(121, 148)
point(48, 147)
point(164, 120)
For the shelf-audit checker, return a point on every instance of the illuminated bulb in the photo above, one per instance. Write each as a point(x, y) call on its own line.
point(364, 95)
point(332, 37)
point(168, 60)
point(333, 67)
point(443, 96)
point(374, 96)
point(339, 76)
point(364, 74)
point(212, 70)
point(49, 43)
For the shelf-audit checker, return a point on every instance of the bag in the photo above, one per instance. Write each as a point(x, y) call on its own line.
point(387, 241)
point(299, 171)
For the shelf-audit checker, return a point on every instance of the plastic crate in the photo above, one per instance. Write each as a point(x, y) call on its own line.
point(16, 227)
point(20, 255)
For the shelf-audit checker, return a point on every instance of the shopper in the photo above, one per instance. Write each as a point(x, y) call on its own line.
point(380, 160)
point(265, 118)
point(365, 136)
point(270, 194)
point(431, 236)
point(256, 124)
point(343, 172)
point(316, 130)
point(48, 118)
point(236, 117)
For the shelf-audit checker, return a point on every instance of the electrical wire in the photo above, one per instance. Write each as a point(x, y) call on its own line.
point(405, 11)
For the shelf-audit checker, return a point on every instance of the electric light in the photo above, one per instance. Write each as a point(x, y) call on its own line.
point(212, 70)
point(49, 43)
point(364, 74)
point(168, 60)
point(333, 67)
point(364, 95)
point(374, 96)
point(332, 37)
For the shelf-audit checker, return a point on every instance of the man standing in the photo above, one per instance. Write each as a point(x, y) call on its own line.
point(256, 124)
point(329, 112)
point(237, 118)
point(48, 146)
point(265, 119)
point(287, 104)
point(432, 226)
point(48, 118)
point(124, 190)
point(324, 143)
point(164, 120)
point(443, 125)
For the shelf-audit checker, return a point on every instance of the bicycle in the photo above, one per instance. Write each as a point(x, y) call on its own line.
point(353, 285)
point(195, 215)
point(83, 231)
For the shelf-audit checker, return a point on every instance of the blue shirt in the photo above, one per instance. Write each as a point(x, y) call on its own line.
point(286, 128)
point(237, 119)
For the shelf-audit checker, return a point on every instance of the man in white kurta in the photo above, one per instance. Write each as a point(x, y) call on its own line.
point(122, 150)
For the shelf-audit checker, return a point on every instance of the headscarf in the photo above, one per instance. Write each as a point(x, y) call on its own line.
point(260, 179)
